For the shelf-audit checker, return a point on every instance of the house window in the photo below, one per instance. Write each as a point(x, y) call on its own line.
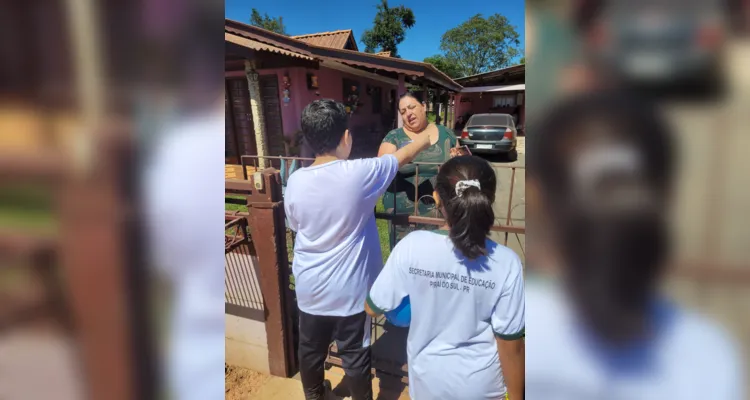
point(377, 100)
point(504, 100)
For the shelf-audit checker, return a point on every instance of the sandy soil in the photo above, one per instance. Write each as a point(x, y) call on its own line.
point(241, 383)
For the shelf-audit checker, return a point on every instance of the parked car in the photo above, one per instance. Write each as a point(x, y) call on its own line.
point(490, 134)
point(666, 44)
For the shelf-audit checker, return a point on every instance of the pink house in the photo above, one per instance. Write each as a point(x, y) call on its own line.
point(270, 78)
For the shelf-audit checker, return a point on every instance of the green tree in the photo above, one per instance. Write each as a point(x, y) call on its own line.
point(523, 60)
point(445, 65)
point(481, 44)
point(266, 22)
point(389, 29)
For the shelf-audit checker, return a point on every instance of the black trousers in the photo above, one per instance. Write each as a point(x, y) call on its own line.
point(316, 332)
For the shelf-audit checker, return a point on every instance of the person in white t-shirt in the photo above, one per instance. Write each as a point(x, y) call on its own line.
point(330, 205)
point(186, 249)
point(466, 294)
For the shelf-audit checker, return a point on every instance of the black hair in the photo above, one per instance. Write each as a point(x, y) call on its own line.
point(586, 13)
point(626, 115)
point(323, 124)
point(470, 215)
point(415, 96)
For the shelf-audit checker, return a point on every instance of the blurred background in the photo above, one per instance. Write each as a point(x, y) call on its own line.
point(690, 59)
point(88, 90)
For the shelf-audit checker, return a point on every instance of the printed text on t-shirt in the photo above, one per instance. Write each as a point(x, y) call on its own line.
point(451, 281)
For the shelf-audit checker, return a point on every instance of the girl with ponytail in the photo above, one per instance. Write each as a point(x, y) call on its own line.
point(466, 294)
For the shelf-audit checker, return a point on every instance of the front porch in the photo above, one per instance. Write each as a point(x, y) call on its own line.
point(271, 78)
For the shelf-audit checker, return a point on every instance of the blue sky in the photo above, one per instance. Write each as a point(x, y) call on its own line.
point(423, 40)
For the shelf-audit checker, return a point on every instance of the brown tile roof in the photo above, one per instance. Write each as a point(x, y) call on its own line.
point(383, 53)
point(334, 40)
point(350, 57)
point(256, 45)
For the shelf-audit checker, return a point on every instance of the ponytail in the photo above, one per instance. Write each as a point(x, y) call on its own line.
point(469, 210)
point(475, 217)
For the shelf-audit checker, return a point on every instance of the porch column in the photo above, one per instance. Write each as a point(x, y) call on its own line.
point(256, 108)
point(454, 100)
point(447, 103)
point(401, 90)
point(456, 108)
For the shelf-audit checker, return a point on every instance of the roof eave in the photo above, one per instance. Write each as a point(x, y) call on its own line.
point(268, 37)
point(442, 79)
point(511, 69)
point(356, 58)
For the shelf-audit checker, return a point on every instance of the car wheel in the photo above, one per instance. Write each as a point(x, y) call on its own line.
point(513, 155)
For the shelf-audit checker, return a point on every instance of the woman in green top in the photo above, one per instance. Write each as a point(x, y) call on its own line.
point(400, 197)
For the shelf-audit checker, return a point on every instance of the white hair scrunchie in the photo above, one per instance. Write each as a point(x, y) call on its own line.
point(461, 186)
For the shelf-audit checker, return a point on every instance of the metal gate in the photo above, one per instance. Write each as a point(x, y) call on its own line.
point(242, 294)
point(257, 273)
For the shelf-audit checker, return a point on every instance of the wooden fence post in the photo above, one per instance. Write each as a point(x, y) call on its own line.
point(92, 255)
point(268, 229)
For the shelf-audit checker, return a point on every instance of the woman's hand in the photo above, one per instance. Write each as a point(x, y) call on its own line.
point(458, 150)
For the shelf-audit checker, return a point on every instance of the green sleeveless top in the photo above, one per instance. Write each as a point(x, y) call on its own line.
point(402, 189)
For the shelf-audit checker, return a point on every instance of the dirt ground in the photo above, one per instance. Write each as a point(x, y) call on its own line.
point(242, 383)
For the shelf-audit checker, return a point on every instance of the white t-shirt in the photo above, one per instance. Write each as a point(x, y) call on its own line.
point(188, 248)
point(691, 358)
point(458, 306)
point(337, 250)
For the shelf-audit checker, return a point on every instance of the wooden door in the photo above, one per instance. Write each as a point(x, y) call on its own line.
point(240, 133)
point(231, 147)
point(269, 92)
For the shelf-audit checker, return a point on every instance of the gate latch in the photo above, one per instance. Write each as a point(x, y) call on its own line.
point(258, 181)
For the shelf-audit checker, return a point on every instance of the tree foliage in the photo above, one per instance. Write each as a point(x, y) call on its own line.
point(389, 28)
point(445, 65)
point(481, 44)
point(266, 22)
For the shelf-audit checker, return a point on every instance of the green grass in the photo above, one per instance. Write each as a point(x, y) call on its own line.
point(385, 243)
point(27, 208)
point(431, 116)
point(235, 207)
point(27, 220)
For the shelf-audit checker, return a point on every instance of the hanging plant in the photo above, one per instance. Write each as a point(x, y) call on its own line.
point(287, 86)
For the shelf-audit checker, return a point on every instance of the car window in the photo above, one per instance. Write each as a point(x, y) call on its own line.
point(490, 120)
